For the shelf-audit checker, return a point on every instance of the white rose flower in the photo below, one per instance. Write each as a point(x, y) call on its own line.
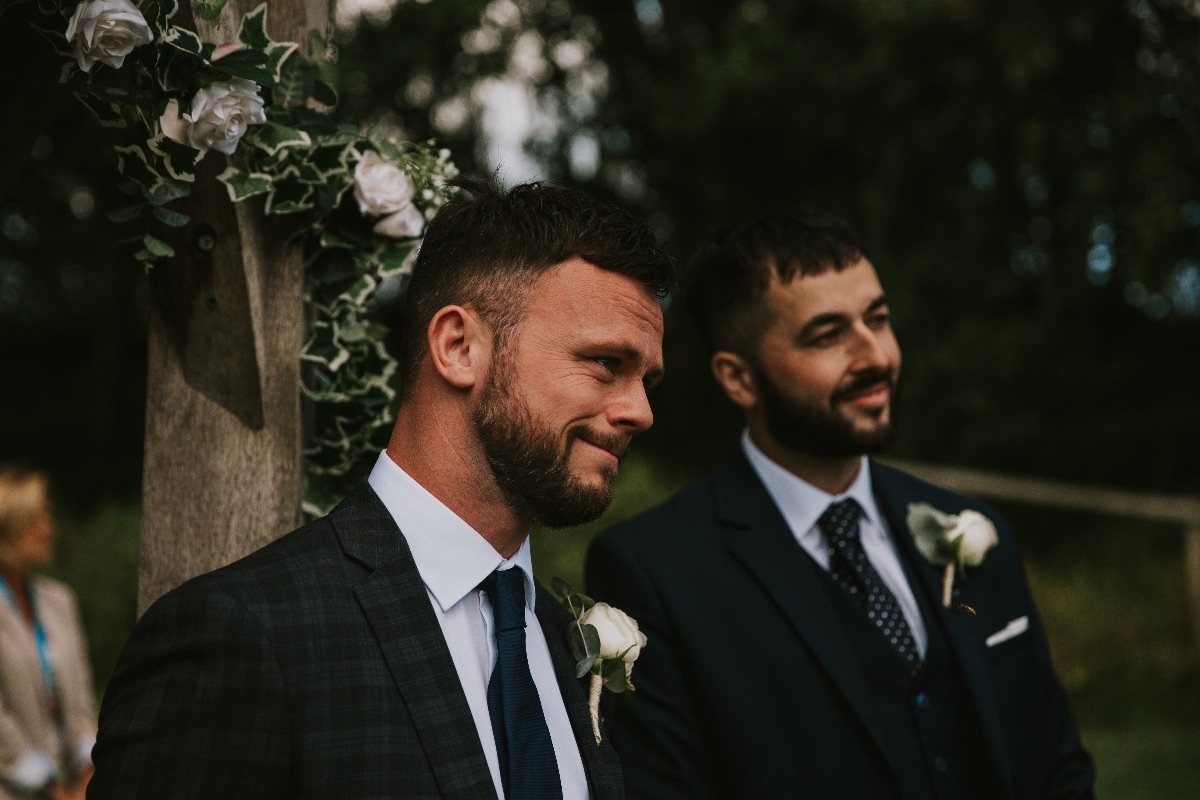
point(406, 223)
point(380, 186)
point(619, 634)
point(221, 113)
point(975, 535)
point(106, 31)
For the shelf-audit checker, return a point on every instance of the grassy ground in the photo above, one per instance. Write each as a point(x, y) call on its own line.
point(1111, 592)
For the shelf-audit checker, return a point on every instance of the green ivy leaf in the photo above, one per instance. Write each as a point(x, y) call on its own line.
point(396, 259)
point(358, 292)
point(109, 114)
point(157, 247)
point(172, 218)
point(247, 64)
point(253, 30)
point(289, 194)
point(184, 40)
point(307, 173)
point(278, 54)
point(244, 184)
point(179, 159)
point(273, 137)
point(166, 10)
point(323, 347)
point(331, 158)
point(133, 164)
point(208, 9)
point(295, 82)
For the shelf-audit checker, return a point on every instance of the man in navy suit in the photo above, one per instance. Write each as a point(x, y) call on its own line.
point(800, 645)
point(399, 647)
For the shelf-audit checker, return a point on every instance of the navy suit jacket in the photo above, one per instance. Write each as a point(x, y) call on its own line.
point(312, 668)
point(748, 687)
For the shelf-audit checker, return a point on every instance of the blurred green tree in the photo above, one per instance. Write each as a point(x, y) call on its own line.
point(1024, 174)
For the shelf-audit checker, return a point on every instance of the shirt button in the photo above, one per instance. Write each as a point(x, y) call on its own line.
point(922, 700)
point(940, 764)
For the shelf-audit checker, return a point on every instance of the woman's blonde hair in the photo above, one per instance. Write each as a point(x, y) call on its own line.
point(23, 496)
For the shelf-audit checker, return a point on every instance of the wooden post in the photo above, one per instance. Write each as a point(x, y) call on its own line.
point(223, 469)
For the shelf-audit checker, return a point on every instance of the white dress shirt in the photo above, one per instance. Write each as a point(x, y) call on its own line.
point(802, 504)
point(453, 559)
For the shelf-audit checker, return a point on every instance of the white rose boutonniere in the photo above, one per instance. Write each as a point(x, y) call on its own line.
point(605, 642)
point(106, 31)
point(383, 189)
point(955, 541)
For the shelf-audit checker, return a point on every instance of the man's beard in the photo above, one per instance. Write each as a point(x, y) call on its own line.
point(523, 454)
point(818, 430)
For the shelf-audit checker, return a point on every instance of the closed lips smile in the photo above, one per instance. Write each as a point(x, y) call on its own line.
point(871, 396)
point(611, 453)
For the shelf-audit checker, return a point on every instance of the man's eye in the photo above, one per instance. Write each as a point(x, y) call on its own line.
point(609, 364)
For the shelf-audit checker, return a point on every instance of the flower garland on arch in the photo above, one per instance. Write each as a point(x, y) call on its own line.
point(360, 200)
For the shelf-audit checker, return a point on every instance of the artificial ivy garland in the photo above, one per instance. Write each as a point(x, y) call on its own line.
point(360, 200)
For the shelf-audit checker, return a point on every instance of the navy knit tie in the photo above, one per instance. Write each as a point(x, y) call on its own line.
point(528, 767)
point(849, 566)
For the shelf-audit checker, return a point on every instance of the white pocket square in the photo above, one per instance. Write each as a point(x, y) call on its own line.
point(1009, 631)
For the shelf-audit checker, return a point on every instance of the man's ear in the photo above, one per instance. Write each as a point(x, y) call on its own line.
point(734, 375)
point(460, 346)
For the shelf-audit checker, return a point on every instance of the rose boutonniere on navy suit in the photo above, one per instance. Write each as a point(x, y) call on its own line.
point(605, 642)
point(952, 541)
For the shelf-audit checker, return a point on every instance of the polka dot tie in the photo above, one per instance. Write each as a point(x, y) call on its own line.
point(848, 565)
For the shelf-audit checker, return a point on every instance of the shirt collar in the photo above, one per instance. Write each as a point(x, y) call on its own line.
point(801, 503)
point(451, 556)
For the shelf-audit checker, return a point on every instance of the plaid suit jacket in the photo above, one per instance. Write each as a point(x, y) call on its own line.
point(312, 668)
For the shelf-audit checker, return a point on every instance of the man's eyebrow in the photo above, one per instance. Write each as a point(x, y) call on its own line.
point(878, 302)
point(821, 321)
point(837, 318)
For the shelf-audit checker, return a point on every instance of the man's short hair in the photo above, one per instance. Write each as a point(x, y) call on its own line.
point(487, 247)
point(731, 271)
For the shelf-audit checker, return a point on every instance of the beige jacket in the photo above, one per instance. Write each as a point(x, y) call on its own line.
point(25, 718)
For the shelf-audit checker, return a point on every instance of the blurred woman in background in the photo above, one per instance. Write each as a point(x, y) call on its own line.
point(47, 708)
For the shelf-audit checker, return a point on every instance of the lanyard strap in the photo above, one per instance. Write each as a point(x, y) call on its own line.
point(39, 637)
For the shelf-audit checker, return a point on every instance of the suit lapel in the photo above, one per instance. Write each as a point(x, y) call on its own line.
point(767, 549)
point(600, 762)
point(394, 600)
point(893, 496)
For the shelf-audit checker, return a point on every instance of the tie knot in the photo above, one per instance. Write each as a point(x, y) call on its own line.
point(506, 590)
point(840, 520)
